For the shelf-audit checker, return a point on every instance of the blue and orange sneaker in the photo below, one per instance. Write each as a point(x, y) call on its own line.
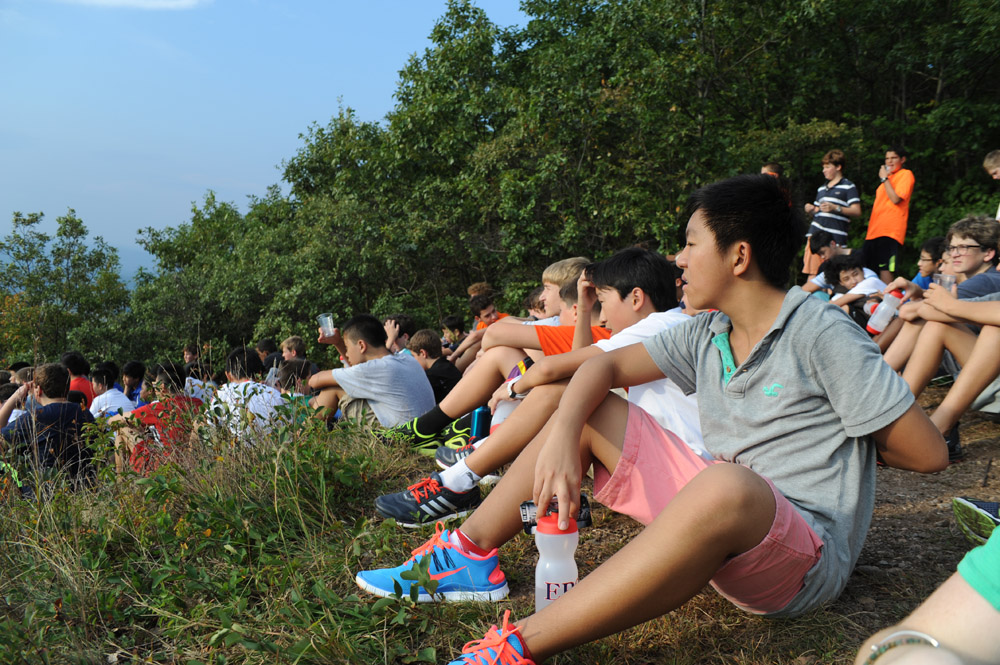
point(501, 646)
point(460, 576)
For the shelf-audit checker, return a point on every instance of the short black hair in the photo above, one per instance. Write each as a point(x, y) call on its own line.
point(453, 322)
point(756, 209)
point(109, 365)
point(935, 246)
point(290, 370)
point(244, 363)
point(636, 267)
point(478, 303)
point(365, 327)
point(134, 370)
point(407, 326)
point(838, 264)
point(192, 349)
point(172, 377)
point(820, 239)
point(7, 390)
point(75, 363)
point(18, 366)
point(899, 149)
point(267, 345)
point(103, 377)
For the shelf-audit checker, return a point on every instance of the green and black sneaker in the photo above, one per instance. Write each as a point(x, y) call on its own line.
point(407, 434)
point(456, 434)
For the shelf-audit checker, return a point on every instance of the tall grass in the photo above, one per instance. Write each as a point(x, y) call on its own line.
point(246, 554)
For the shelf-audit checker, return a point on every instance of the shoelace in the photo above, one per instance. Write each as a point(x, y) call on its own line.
point(493, 649)
point(424, 488)
point(437, 541)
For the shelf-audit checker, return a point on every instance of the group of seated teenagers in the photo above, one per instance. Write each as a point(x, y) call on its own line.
point(766, 495)
point(715, 406)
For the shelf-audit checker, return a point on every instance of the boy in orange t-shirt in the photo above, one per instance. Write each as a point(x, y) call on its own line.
point(887, 224)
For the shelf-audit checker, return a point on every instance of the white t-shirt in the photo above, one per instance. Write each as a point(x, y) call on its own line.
point(246, 408)
point(548, 321)
point(662, 399)
point(865, 287)
point(199, 389)
point(395, 386)
point(111, 403)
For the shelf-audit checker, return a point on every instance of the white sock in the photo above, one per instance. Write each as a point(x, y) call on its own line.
point(459, 477)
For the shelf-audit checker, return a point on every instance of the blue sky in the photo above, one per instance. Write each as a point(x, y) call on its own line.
point(129, 111)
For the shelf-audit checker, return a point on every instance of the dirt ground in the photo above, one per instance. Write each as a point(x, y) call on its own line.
point(913, 545)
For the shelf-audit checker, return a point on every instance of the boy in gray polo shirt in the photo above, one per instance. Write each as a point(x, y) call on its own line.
point(777, 520)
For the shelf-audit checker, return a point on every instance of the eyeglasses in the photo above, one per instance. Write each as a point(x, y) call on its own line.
point(961, 250)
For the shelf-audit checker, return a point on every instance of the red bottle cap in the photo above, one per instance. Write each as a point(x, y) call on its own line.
point(550, 525)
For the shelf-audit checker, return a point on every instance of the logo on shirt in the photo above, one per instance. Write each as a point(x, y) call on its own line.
point(773, 390)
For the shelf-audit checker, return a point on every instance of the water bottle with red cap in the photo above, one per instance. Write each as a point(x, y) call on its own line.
point(556, 571)
point(883, 314)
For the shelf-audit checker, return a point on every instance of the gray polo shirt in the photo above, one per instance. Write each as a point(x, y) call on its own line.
point(796, 411)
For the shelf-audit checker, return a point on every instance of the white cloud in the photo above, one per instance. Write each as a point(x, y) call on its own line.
point(140, 4)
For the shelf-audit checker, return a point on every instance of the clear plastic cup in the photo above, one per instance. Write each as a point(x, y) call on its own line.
point(947, 281)
point(326, 324)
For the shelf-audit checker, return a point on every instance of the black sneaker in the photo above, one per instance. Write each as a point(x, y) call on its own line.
point(426, 502)
point(955, 452)
point(457, 433)
point(446, 457)
point(407, 434)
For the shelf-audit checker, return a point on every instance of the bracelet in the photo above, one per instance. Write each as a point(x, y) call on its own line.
point(883, 179)
point(898, 639)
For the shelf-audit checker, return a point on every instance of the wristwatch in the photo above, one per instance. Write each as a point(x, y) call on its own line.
point(510, 390)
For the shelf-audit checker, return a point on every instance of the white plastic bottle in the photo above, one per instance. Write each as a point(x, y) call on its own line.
point(556, 571)
point(883, 314)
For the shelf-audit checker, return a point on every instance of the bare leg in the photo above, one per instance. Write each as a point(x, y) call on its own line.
point(724, 511)
point(507, 442)
point(467, 357)
point(886, 337)
point(326, 402)
point(126, 440)
point(901, 348)
point(979, 369)
point(497, 520)
point(478, 384)
point(929, 349)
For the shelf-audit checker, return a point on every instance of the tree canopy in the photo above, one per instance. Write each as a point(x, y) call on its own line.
point(578, 133)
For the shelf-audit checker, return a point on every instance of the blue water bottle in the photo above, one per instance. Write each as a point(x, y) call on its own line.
point(480, 423)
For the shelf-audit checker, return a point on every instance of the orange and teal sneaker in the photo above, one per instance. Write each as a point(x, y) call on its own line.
point(501, 646)
point(460, 575)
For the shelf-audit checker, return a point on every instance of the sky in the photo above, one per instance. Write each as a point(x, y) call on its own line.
point(129, 111)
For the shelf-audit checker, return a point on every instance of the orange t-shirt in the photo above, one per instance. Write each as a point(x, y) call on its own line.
point(889, 219)
point(559, 339)
point(480, 325)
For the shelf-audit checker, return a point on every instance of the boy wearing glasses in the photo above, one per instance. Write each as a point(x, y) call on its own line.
point(887, 225)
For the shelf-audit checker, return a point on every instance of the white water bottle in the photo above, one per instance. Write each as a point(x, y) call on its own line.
point(883, 314)
point(556, 571)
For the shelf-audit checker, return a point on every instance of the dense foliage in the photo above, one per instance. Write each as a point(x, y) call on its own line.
point(578, 133)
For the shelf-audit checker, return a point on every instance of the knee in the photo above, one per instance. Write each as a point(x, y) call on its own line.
point(734, 492)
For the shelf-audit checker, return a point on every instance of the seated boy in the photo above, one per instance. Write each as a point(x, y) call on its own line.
point(244, 405)
point(505, 350)
point(425, 347)
point(379, 388)
point(108, 400)
point(826, 248)
point(452, 332)
point(150, 433)
point(636, 289)
point(972, 244)
point(931, 255)
point(49, 437)
point(293, 382)
point(78, 368)
point(776, 521)
point(399, 328)
point(133, 373)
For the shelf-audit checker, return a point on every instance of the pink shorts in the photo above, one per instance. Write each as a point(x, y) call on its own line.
point(655, 464)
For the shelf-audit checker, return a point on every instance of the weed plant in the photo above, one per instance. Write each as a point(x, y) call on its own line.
point(233, 553)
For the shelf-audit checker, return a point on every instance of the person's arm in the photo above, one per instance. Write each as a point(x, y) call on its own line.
point(470, 340)
point(810, 287)
point(985, 313)
point(964, 624)
point(846, 298)
point(518, 337)
point(929, 313)
point(557, 471)
point(910, 290)
point(336, 339)
point(324, 379)
point(546, 370)
point(853, 210)
point(13, 402)
point(890, 191)
point(391, 333)
point(912, 442)
point(586, 296)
